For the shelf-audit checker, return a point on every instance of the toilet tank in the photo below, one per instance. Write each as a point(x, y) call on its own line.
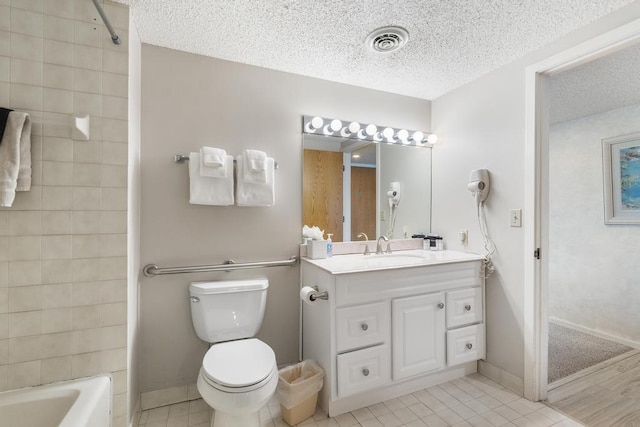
point(228, 310)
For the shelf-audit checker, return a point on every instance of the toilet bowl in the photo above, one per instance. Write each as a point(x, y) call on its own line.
point(237, 379)
point(239, 373)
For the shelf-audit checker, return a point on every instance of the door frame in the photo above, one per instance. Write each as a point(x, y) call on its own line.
point(536, 194)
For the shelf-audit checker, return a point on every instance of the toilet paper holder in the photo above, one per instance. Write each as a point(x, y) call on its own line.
point(319, 295)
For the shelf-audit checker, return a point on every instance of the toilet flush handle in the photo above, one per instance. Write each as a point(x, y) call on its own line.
point(195, 299)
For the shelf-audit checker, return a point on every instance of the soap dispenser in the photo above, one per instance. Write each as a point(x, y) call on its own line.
point(329, 245)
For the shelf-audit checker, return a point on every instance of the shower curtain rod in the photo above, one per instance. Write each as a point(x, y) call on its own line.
point(115, 38)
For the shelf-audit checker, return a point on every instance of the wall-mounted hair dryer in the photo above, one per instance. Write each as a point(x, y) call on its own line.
point(479, 184)
point(394, 194)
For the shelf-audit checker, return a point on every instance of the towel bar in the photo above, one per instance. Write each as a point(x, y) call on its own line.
point(151, 270)
point(181, 158)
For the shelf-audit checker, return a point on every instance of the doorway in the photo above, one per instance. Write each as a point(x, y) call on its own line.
point(537, 200)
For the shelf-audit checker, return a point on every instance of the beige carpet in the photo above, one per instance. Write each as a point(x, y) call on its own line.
point(571, 351)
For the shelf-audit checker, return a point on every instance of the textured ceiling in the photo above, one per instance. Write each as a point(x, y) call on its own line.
point(601, 85)
point(451, 42)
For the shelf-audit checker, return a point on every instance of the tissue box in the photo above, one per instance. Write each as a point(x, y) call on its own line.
point(317, 249)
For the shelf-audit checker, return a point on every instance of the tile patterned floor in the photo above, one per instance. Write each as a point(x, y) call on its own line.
point(605, 397)
point(470, 401)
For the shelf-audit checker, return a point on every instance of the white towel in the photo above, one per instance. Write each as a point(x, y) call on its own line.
point(255, 166)
point(253, 193)
point(213, 162)
point(15, 157)
point(204, 190)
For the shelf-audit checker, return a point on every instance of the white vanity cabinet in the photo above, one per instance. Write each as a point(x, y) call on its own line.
point(386, 332)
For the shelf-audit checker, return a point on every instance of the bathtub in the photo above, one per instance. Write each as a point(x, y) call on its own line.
point(78, 403)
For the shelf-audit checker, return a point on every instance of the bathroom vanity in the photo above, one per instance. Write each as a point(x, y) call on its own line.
point(392, 324)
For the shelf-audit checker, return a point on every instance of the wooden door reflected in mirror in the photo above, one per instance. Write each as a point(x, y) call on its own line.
point(322, 192)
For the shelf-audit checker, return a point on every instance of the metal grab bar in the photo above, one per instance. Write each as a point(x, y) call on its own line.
point(151, 270)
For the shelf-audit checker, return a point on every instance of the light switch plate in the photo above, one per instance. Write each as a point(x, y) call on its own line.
point(515, 216)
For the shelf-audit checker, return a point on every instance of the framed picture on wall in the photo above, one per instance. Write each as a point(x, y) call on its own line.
point(621, 165)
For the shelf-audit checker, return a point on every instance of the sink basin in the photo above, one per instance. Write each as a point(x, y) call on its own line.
point(392, 260)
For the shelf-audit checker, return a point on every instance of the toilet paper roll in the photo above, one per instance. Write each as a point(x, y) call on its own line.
point(305, 294)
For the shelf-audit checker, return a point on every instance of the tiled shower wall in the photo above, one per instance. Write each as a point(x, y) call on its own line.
point(63, 259)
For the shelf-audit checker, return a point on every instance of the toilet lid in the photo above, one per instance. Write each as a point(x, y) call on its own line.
point(239, 363)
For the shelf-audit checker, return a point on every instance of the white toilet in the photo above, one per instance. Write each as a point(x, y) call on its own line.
point(239, 373)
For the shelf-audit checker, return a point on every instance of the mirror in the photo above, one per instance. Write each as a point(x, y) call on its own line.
point(345, 186)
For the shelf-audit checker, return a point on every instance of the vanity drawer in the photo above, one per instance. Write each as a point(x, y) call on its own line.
point(464, 307)
point(362, 326)
point(363, 370)
point(465, 344)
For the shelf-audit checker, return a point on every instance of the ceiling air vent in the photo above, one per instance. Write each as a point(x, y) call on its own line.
point(387, 39)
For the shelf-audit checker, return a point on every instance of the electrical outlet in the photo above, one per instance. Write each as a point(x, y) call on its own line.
point(463, 236)
point(383, 215)
point(515, 216)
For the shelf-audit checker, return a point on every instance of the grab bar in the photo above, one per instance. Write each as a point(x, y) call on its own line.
point(151, 270)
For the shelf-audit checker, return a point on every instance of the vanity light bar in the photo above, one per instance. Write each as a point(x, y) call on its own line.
point(354, 130)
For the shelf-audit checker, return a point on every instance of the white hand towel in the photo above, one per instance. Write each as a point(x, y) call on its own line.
point(204, 190)
point(213, 162)
point(17, 130)
point(253, 193)
point(255, 166)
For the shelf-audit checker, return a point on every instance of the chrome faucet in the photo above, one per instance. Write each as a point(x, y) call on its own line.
point(379, 246)
point(366, 245)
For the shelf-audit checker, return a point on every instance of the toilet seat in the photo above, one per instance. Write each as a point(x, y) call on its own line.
point(239, 366)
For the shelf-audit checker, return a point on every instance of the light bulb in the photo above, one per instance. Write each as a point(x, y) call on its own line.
point(353, 127)
point(314, 124)
point(371, 130)
point(388, 133)
point(336, 125)
point(432, 138)
point(403, 136)
point(418, 137)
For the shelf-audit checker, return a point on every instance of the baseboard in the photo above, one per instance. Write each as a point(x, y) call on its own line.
point(599, 334)
point(503, 378)
point(168, 396)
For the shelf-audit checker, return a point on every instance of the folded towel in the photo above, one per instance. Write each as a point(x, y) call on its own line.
point(15, 159)
point(213, 162)
point(4, 116)
point(253, 193)
point(255, 166)
point(204, 190)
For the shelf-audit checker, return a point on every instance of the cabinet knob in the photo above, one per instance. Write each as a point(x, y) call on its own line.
point(469, 346)
point(364, 326)
point(365, 372)
point(440, 305)
point(467, 307)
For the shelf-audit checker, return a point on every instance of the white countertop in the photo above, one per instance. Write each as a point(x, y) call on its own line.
point(355, 263)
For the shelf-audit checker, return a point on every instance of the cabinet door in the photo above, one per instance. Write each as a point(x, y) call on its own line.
point(418, 334)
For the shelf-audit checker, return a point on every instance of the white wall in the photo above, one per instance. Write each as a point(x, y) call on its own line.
point(189, 101)
point(481, 125)
point(133, 219)
point(593, 267)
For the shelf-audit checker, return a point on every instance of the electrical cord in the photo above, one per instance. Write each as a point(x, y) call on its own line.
point(393, 210)
point(490, 248)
